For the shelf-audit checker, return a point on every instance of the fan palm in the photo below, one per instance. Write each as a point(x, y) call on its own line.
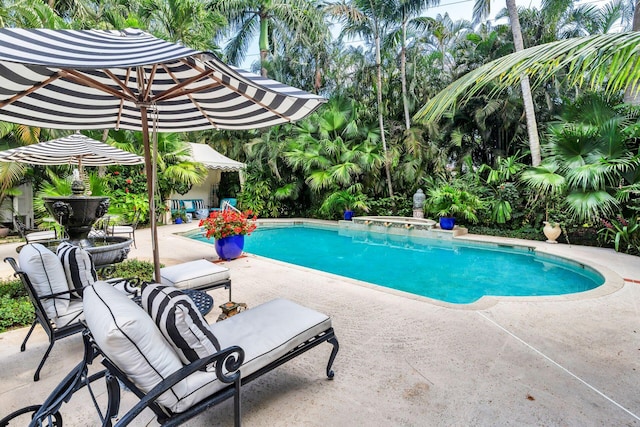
point(588, 153)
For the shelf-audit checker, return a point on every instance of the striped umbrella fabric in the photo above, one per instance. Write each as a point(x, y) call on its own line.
point(75, 149)
point(93, 79)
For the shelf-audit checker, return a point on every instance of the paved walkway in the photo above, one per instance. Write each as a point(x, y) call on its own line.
point(404, 360)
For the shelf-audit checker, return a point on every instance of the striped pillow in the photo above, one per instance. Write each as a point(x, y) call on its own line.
point(78, 267)
point(180, 322)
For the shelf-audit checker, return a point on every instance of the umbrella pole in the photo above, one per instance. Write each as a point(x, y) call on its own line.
point(150, 191)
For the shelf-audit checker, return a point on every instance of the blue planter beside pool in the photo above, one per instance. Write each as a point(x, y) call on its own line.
point(447, 223)
point(348, 214)
point(230, 247)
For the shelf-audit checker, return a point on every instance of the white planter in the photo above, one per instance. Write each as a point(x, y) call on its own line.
point(551, 231)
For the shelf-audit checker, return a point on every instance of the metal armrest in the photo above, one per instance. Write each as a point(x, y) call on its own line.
point(229, 360)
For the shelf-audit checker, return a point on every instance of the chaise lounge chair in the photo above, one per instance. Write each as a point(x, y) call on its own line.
point(54, 284)
point(175, 373)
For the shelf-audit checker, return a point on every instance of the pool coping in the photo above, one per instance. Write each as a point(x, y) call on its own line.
point(612, 280)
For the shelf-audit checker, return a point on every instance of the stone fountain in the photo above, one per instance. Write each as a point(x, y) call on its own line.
point(77, 214)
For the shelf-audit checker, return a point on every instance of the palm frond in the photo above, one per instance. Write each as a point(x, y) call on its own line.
point(606, 62)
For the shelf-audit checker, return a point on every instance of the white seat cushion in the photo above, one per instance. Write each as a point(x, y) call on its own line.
point(128, 336)
point(40, 235)
point(269, 331)
point(74, 314)
point(194, 274)
point(47, 276)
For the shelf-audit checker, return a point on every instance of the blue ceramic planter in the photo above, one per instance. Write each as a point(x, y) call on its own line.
point(447, 223)
point(229, 248)
point(348, 214)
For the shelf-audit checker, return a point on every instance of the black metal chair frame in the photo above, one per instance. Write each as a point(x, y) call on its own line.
point(227, 362)
point(53, 332)
point(133, 224)
point(24, 231)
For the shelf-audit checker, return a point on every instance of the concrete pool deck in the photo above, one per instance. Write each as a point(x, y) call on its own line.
point(404, 360)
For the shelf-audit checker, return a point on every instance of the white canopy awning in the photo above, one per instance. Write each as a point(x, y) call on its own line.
point(209, 157)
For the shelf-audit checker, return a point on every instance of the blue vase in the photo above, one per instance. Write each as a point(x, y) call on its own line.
point(230, 247)
point(447, 223)
point(348, 214)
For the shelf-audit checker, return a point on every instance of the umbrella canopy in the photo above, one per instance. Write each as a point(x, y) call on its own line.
point(75, 149)
point(211, 159)
point(68, 79)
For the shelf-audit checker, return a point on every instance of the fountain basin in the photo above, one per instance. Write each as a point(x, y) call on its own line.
point(104, 251)
point(401, 225)
point(77, 213)
point(396, 221)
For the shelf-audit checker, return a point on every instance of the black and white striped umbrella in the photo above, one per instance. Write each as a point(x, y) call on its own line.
point(93, 79)
point(75, 149)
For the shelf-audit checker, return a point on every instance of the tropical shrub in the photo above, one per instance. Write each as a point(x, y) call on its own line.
point(339, 201)
point(398, 205)
point(450, 201)
point(133, 268)
point(623, 233)
point(15, 308)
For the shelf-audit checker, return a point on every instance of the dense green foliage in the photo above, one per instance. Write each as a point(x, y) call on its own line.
point(133, 268)
point(15, 308)
point(365, 149)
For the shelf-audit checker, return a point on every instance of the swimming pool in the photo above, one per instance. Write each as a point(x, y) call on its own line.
point(449, 271)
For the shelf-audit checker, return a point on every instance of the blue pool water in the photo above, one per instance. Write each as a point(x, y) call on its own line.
point(448, 271)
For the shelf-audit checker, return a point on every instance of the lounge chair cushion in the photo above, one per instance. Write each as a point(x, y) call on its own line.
point(132, 342)
point(269, 331)
point(194, 274)
point(78, 267)
point(74, 314)
point(128, 336)
point(180, 322)
point(47, 277)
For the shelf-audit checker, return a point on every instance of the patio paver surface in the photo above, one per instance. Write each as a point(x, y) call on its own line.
point(403, 360)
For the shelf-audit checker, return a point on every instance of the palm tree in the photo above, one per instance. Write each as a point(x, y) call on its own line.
point(404, 11)
point(481, 9)
point(186, 21)
point(280, 21)
point(369, 19)
point(12, 173)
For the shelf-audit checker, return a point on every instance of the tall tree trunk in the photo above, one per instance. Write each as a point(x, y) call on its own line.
point(631, 93)
point(387, 160)
point(527, 98)
point(264, 45)
point(403, 73)
point(317, 81)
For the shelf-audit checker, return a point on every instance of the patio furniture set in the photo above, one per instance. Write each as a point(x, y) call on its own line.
point(152, 338)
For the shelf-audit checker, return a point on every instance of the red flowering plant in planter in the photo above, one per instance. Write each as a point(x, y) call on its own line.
point(229, 222)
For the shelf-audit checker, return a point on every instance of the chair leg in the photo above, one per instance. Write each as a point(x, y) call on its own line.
point(133, 235)
point(334, 351)
point(36, 377)
point(24, 343)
